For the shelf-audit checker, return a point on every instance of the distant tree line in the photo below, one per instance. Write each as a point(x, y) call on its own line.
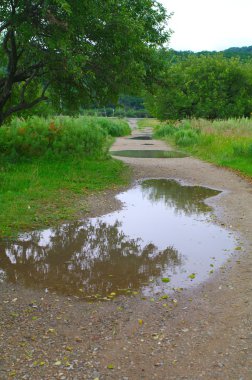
point(244, 53)
point(126, 106)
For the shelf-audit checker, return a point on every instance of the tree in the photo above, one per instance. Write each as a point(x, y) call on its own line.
point(204, 86)
point(78, 51)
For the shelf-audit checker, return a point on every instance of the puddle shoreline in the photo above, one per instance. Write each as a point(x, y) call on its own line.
point(115, 230)
point(149, 153)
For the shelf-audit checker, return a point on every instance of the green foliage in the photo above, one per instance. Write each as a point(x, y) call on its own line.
point(59, 137)
point(164, 131)
point(114, 127)
point(243, 149)
point(224, 142)
point(186, 137)
point(148, 123)
point(116, 112)
point(45, 192)
point(244, 53)
point(77, 52)
point(182, 134)
point(206, 86)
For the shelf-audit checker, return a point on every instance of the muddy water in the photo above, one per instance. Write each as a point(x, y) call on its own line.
point(148, 153)
point(163, 233)
point(141, 137)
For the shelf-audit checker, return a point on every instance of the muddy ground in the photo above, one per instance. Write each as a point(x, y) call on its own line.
point(205, 334)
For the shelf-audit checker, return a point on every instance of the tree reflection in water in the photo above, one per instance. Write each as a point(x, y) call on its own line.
point(92, 256)
point(184, 199)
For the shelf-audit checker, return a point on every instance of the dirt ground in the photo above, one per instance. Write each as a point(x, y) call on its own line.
point(205, 334)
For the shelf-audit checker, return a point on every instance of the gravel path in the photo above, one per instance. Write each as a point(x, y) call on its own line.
point(204, 334)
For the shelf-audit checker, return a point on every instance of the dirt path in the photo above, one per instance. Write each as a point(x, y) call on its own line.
point(206, 334)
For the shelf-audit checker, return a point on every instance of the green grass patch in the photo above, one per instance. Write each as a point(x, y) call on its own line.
point(225, 143)
point(49, 166)
point(44, 193)
point(148, 123)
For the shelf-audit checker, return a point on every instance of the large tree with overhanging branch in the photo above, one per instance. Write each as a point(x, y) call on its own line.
point(76, 51)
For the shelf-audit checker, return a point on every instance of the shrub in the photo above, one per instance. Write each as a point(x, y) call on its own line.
point(186, 137)
point(114, 127)
point(58, 137)
point(165, 130)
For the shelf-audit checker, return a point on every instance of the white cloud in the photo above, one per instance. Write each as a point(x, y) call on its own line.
point(210, 24)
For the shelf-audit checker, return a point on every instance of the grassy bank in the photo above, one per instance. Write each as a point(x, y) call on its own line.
point(225, 143)
point(48, 167)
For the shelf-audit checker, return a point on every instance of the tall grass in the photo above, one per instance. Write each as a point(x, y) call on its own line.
point(48, 166)
point(223, 142)
point(230, 127)
point(58, 137)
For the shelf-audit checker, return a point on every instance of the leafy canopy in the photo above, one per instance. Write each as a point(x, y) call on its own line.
point(203, 86)
point(76, 51)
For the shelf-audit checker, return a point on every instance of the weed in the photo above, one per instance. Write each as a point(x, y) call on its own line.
point(59, 137)
point(164, 130)
point(224, 142)
point(49, 166)
point(186, 137)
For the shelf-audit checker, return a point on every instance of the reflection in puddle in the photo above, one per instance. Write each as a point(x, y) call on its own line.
point(163, 231)
point(141, 137)
point(148, 153)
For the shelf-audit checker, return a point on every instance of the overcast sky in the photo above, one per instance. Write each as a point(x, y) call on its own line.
point(209, 24)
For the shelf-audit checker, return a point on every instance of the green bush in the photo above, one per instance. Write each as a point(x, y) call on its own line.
point(114, 127)
point(165, 130)
point(186, 137)
point(58, 137)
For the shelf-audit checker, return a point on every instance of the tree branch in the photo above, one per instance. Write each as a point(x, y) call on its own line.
point(26, 105)
point(26, 84)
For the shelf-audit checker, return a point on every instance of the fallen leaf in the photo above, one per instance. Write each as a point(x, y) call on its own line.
point(166, 279)
point(52, 331)
point(192, 276)
point(140, 321)
point(68, 348)
point(165, 297)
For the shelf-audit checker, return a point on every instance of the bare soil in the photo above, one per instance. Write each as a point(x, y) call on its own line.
point(204, 334)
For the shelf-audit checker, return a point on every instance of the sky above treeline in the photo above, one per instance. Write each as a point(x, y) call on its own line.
point(209, 24)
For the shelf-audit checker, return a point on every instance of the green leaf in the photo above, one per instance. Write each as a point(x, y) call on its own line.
point(165, 297)
point(192, 276)
point(166, 279)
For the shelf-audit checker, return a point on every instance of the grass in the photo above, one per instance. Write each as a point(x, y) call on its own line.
point(42, 186)
point(58, 137)
point(226, 143)
point(144, 123)
point(43, 193)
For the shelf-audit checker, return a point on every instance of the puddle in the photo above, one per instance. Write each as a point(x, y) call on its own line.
point(142, 137)
point(148, 153)
point(163, 231)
